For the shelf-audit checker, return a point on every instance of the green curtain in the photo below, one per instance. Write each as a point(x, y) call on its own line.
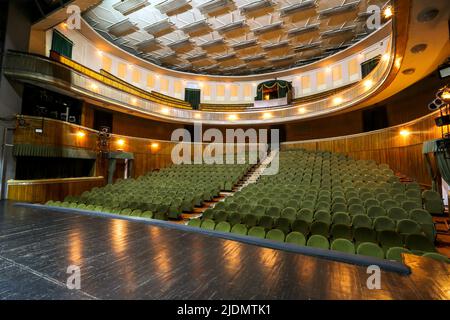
point(283, 88)
point(120, 155)
point(369, 65)
point(444, 166)
point(443, 161)
point(193, 97)
point(61, 44)
point(111, 169)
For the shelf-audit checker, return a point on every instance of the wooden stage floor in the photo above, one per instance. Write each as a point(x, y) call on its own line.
point(122, 259)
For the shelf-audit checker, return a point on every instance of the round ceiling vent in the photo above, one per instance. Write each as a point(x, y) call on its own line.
point(419, 48)
point(408, 71)
point(427, 14)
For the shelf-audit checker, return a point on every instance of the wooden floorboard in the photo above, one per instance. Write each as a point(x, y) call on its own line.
point(122, 259)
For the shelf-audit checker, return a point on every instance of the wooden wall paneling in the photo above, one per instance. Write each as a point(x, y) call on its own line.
point(40, 191)
point(87, 115)
point(402, 153)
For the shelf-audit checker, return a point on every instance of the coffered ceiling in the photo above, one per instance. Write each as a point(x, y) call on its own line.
point(232, 37)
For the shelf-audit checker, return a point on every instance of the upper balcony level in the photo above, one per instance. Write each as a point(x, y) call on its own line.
point(106, 75)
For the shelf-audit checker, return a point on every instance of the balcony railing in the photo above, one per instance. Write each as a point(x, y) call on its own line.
point(40, 70)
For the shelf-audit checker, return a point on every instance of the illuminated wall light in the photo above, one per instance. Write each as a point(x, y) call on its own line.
point(368, 84)
point(232, 117)
point(165, 111)
point(64, 25)
point(386, 57)
point(100, 52)
point(93, 86)
point(267, 97)
point(154, 145)
point(328, 69)
point(302, 110)
point(388, 12)
point(200, 84)
point(120, 142)
point(129, 66)
point(197, 116)
point(133, 101)
point(445, 95)
point(267, 115)
point(254, 84)
point(405, 132)
point(337, 101)
point(80, 134)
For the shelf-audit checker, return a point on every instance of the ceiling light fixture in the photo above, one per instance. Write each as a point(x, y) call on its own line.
point(388, 12)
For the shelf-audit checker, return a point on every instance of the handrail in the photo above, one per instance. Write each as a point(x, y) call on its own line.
point(14, 182)
point(150, 93)
point(105, 79)
point(29, 67)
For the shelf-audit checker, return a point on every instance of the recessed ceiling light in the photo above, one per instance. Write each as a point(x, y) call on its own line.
point(419, 48)
point(427, 14)
point(409, 71)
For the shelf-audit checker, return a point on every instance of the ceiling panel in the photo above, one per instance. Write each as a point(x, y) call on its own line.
point(232, 37)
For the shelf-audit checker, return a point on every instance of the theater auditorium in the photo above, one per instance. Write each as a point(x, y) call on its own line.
point(225, 149)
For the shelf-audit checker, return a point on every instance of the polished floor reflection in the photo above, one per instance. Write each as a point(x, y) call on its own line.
point(121, 259)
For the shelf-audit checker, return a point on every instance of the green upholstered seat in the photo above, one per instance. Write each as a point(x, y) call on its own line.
point(276, 235)
point(342, 231)
point(208, 224)
point(395, 253)
point(343, 245)
point(296, 238)
point(436, 256)
point(239, 229)
point(195, 222)
point(320, 228)
point(257, 232)
point(223, 226)
point(300, 226)
point(363, 234)
point(266, 222)
point(370, 249)
point(318, 241)
point(389, 239)
point(419, 243)
point(383, 223)
point(362, 220)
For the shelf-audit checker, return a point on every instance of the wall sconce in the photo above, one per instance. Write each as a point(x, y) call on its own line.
point(405, 132)
point(80, 134)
